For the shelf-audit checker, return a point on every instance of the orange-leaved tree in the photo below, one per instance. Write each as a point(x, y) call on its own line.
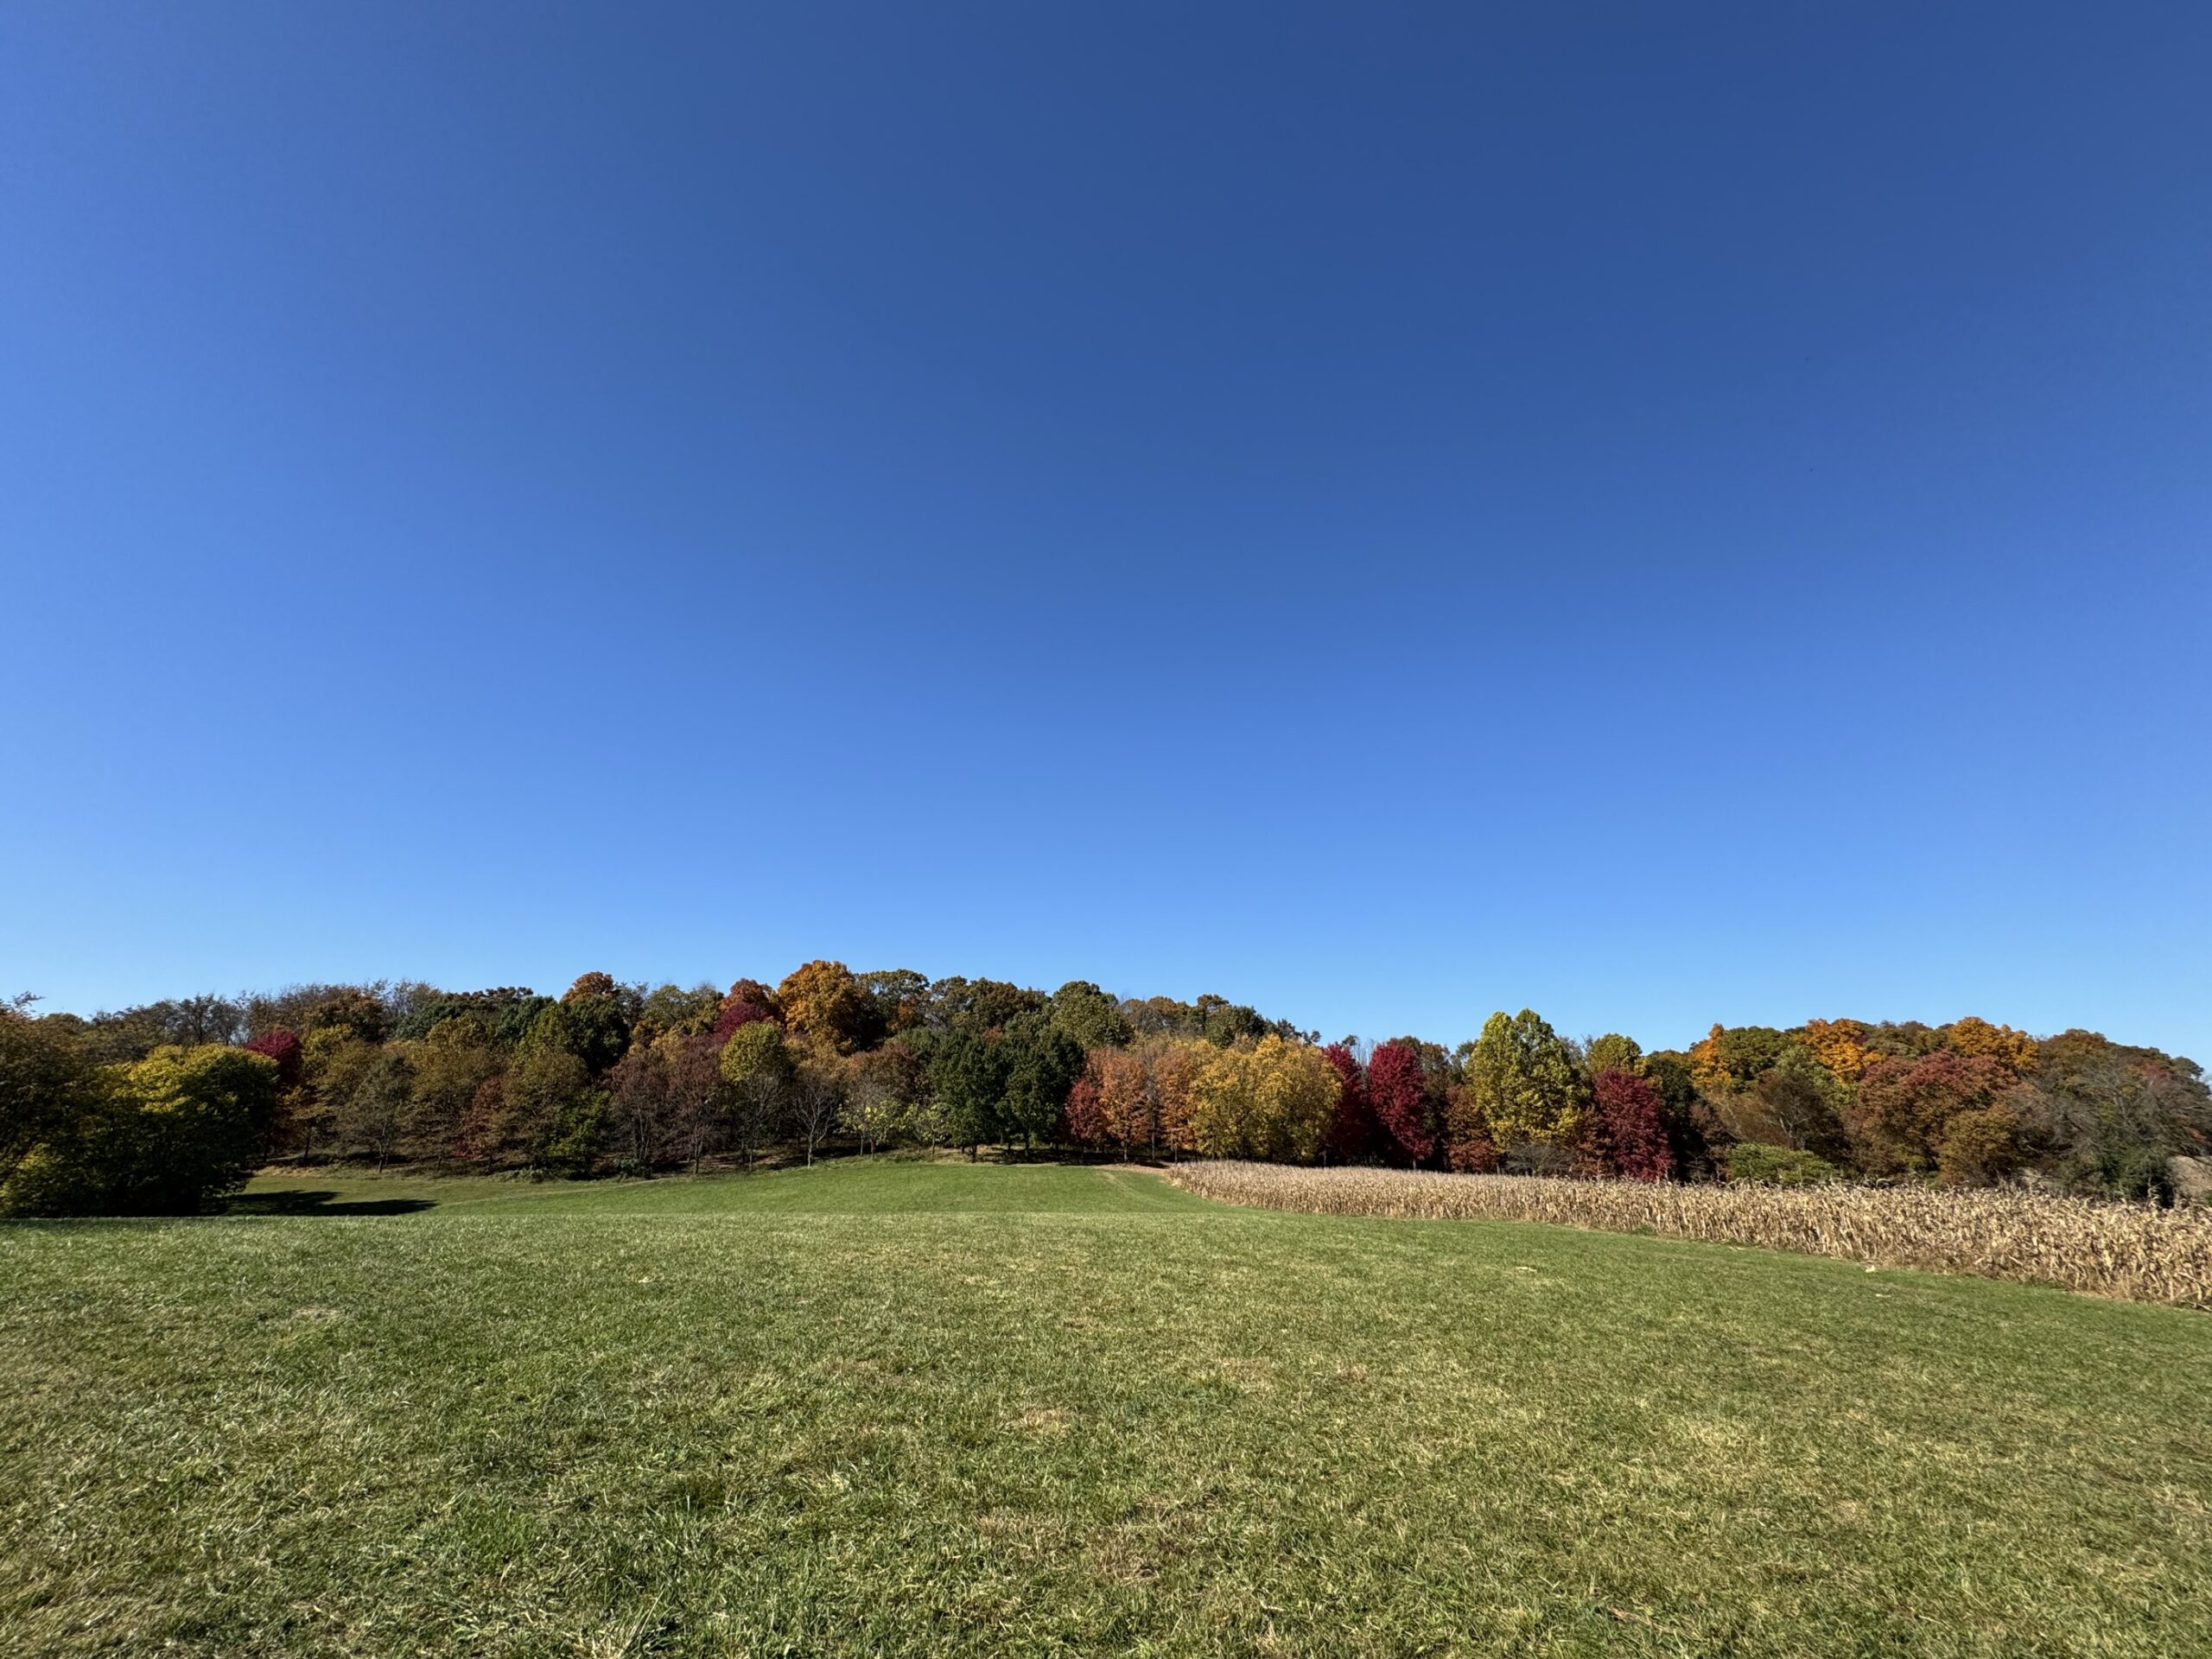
point(824, 1007)
point(1839, 1044)
point(2013, 1049)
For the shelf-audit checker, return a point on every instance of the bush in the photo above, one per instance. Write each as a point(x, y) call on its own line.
point(1539, 1158)
point(1759, 1164)
point(169, 1135)
point(2132, 1171)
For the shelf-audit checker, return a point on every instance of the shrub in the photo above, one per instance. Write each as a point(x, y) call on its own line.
point(2129, 1171)
point(169, 1134)
point(1757, 1164)
point(1538, 1157)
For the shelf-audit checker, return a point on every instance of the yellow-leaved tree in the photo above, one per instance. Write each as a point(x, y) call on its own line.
point(1271, 1100)
point(1523, 1081)
point(1172, 1069)
point(1839, 1044)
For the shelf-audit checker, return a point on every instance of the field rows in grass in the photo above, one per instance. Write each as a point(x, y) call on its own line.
point(886, 1407)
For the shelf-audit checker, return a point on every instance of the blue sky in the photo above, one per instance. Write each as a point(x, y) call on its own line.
point(1660, 514)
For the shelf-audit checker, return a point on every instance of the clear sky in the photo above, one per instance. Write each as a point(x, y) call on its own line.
point(1659, 513)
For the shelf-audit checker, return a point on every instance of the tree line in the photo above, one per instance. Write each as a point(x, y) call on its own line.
point(166, 1107)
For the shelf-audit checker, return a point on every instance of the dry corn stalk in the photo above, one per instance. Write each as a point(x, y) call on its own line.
point(2132, 1252)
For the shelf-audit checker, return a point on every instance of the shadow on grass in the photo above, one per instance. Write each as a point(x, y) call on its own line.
point(299, 1203)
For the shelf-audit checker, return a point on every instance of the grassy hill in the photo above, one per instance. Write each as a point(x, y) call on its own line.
point(895, 1406)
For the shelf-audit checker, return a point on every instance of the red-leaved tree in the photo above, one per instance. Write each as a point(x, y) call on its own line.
point(281, 1133)
point(1397, 1093)
point(283, 1047)
point(1904, 1107)
point(1352, 1133)
point(1630, 1125)
point(1085, 1122)
point(1468, 1147)
point(748, 1002)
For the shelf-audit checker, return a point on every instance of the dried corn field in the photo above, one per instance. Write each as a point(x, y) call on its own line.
point(2130, 1252)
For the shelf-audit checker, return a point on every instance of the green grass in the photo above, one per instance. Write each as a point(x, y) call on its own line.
point(849, 1186)
point(903, 1407)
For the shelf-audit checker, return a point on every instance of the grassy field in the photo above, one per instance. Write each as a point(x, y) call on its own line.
point(901, 1408)
point(852, 1186)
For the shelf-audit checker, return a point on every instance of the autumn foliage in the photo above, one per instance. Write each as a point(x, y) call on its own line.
point(1629, 1127)
point(747, 1002)
point(1397, 1094)
point(283, 1047)
point(611, 1076)
point(1353, 1134)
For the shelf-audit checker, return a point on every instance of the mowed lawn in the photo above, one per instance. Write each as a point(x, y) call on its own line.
point(891, 1407)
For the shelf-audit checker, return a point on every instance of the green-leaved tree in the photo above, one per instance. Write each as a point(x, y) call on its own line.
point(1523, 1079)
